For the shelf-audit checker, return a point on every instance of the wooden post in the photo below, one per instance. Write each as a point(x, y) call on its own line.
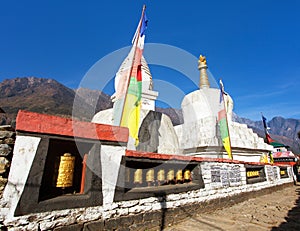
point(83, 173)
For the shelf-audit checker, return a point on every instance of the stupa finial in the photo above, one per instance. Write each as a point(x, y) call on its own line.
point(202, 59)
point(202, 66)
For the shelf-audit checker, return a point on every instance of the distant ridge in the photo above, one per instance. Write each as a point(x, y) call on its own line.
point(281, 129)
point(51, 97)
point(48, 96)
point(95, 98)
point(175, 114)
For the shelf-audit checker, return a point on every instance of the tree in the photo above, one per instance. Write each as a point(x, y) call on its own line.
point(299, 134)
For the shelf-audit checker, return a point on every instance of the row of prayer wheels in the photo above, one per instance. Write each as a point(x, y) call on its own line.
point(160, 176)
point(151, 177)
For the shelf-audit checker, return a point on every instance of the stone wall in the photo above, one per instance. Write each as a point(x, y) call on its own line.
point(159, 219)
point(154, 213)
point(107, 202)
point(7, 140)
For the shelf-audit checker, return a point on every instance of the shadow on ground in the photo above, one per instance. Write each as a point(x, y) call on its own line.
point(293, 217)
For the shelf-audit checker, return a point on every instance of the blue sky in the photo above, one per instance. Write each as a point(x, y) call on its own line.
point(254, 46)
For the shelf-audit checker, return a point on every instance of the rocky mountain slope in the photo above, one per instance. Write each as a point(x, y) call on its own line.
point(281, 130)
point(175, 114)
point(51, 97)
point(48, 96)
point(97, 99)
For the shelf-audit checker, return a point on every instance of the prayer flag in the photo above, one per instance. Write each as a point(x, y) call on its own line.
point(129, 90)
point(223, 123)
point(268, 137)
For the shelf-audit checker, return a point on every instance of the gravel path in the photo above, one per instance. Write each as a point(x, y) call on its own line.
point(279, 210)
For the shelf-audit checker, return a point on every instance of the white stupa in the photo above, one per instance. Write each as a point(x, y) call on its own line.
point(199, 135)
point(156, 129)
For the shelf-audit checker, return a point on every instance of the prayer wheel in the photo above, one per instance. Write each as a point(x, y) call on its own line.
point(150, 176)
point(187, 175)
point(138, 176)
point(65, 171)
point(161, 175)
point(179, 176)
point(170, 175)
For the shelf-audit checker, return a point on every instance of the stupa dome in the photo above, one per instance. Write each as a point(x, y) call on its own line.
point(146, 74)
point(148, 95)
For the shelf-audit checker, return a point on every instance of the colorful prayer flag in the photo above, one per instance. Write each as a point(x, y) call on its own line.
point(129, 90)
point(268, 137)
point(223, 123)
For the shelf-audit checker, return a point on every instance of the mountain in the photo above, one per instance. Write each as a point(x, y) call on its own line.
point(281, 130)
point(97, 99)
point(48, 96)
point(175, 115)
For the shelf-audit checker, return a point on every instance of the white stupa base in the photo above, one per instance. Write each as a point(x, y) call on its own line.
point(168, 141)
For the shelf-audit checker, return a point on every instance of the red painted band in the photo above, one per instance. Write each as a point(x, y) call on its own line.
point(49, 124)
point(151, 155)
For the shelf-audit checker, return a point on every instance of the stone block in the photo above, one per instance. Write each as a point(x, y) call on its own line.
point(108, 214)
point(66, 221)
point(126, 221)
point(173, 197)
point(75, 227)
point(123, 211)
point(109, 207)
point(157, 206)
point(151, 224)
point(3, 181)
point(170, 204)
point(89, 216)
point(93, 226)
point(16, 221)
point(5, 149)
point(112, 224)
point(153, 216)
point(4, 164)
point(149, 200)
point(128, 204)
point(9, 141)
point(46, 225)
point(135, 210)
point(33, 227)
point(6, 128)
point(6, 134)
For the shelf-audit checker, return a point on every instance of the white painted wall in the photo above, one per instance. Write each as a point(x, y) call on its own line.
point(24, 152)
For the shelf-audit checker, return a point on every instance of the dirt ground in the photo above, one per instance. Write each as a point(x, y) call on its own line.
point(279, 210)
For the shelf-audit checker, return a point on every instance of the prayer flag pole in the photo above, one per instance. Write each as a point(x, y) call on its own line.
point(223, 123)
point(129, 90)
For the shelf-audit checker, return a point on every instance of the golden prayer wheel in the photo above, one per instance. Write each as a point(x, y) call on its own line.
point(179, 175)
point(150, 175)
point(161, 175)
point(170, 175)
point(65, 171)
point(138, 176)
point(187, 175)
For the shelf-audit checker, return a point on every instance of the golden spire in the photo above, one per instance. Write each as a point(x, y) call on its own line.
point(202, 66)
